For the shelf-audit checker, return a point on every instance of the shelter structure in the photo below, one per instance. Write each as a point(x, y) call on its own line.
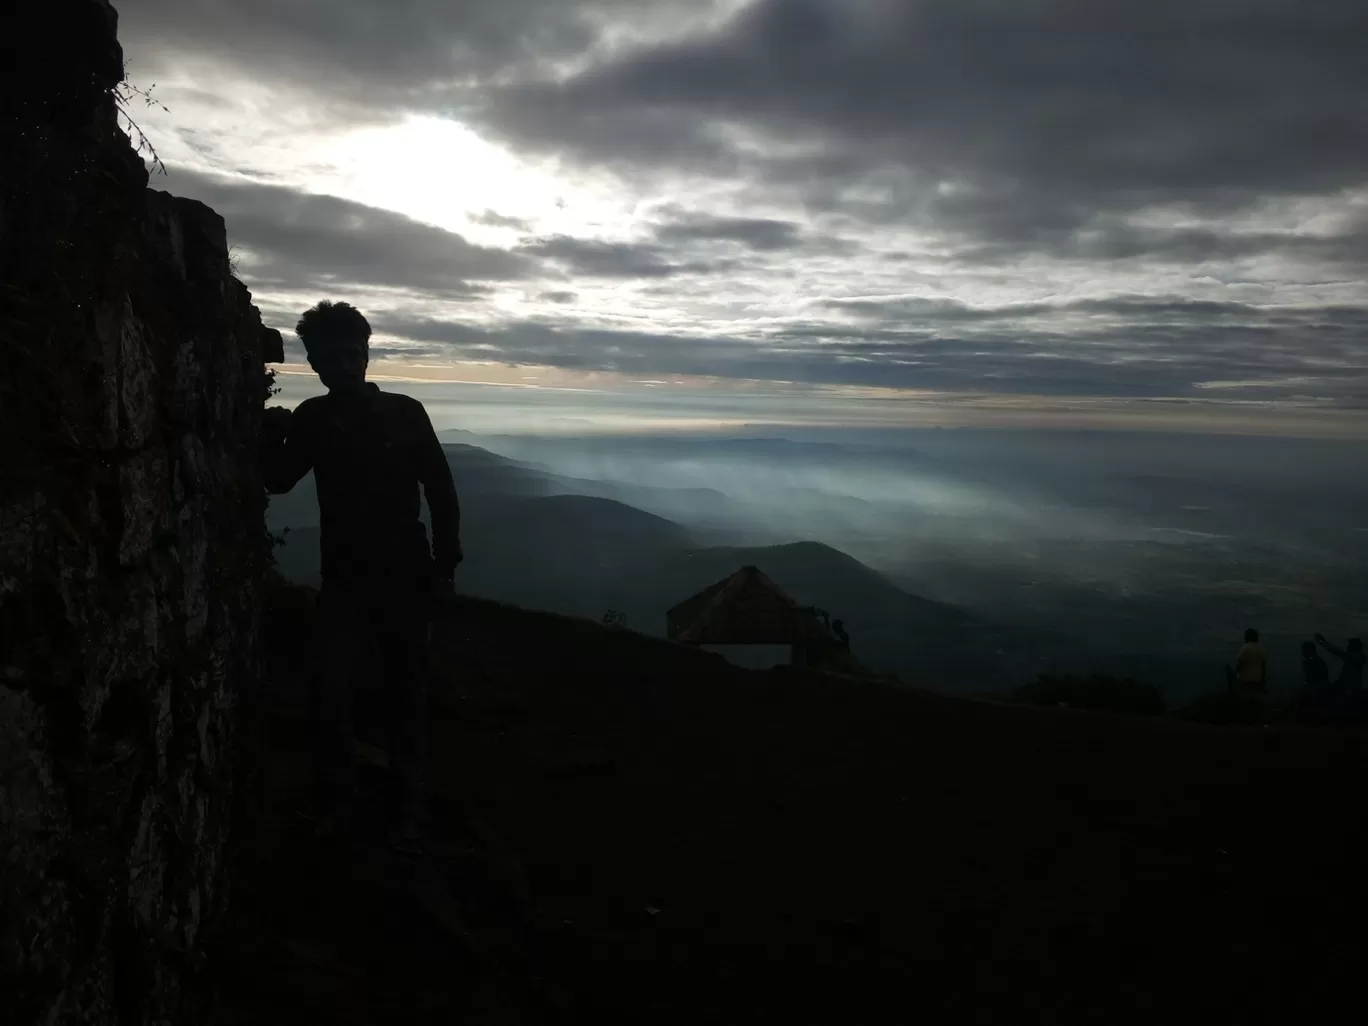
point(748, 608)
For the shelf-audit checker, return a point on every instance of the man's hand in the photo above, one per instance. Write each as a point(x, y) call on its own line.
point(443, 588)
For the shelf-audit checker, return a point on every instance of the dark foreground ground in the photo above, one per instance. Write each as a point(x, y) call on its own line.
point(631, 832)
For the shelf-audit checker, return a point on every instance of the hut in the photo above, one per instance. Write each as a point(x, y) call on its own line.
point(747, 608)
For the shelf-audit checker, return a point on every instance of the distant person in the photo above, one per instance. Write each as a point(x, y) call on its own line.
point(1350, 679)
point(1315, 670)
point(1316, 692)
point(369, 451)
point(1249, 676)
point(838, 629)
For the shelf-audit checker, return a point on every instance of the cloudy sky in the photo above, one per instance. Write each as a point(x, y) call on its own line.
point(1136, 212)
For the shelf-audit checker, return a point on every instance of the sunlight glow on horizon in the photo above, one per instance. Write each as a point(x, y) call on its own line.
point(569, 402)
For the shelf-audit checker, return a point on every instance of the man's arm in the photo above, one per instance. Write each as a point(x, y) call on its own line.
point(286, 455)
point(1334, 650)
point(440, 491)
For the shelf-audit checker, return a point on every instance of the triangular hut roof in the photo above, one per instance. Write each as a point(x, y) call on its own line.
point(746, 608)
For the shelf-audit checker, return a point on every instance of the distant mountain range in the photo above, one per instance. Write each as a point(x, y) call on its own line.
point(581, 547)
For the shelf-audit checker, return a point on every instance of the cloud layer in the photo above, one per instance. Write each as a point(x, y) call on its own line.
point(1050, 198)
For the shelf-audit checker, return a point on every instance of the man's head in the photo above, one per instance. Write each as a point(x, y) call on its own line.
point(1355, 645)
point(336, 339)
point(1251, 635)
point(1308, 649)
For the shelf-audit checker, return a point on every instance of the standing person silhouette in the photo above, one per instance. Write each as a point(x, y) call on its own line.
point(1250, 675)
point(1316, 693)
point(369, 451)
point(1349, 682)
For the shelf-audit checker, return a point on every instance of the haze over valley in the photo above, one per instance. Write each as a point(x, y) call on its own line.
point(966, 559)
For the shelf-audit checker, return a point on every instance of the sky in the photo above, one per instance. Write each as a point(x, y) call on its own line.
point(710, 213)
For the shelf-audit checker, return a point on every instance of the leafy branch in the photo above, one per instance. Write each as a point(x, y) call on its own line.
point(126, 93)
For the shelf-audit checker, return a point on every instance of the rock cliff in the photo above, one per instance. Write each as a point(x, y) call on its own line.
point(131, 545)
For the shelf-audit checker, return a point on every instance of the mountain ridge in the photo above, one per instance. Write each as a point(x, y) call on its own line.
point(575, 546)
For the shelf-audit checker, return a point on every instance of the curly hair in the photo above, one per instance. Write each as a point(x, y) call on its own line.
point(330, 324)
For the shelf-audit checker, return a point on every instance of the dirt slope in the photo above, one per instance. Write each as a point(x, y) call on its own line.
point(634, 832)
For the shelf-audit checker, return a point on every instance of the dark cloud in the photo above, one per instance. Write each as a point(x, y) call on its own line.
point(596, 258)
point(1113, 240)
point(496, 220)
point(1015, 126)
point(299, 240)
point(367, 51)
point(558, 296)
point(1136, 349)
point(534, 343)
point(1015, 123)
point(929, 310)
point(759, 233)
point(381, 352)
point(1135, 310)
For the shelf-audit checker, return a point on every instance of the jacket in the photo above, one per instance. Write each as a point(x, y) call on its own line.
point(370, 453)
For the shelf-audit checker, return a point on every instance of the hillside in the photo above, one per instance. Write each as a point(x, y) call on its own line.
point(566, 545)
point(483, 476)
point(561, 552)
point(632, 831)
point(530, 535)
point(581, 556)
point(922, 641)
point(585, 518)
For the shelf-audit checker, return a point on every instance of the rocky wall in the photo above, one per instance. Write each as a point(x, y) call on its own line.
point(131, 546)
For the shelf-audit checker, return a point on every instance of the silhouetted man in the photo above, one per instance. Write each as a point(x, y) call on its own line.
point(369, 451)
point(838, 629)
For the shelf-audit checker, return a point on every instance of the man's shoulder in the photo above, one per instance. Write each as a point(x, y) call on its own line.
point(310, 409)
point(401, 406)
point(312, 405)
point(396, 399)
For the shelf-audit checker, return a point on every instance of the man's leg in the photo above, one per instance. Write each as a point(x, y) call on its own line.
point(403, 636)
point(342, 633)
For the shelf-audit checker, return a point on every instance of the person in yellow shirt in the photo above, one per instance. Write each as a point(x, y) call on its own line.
point(1250, 674)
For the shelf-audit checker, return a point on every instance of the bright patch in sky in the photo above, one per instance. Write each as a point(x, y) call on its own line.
point(439, 171)
point(432, 169)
